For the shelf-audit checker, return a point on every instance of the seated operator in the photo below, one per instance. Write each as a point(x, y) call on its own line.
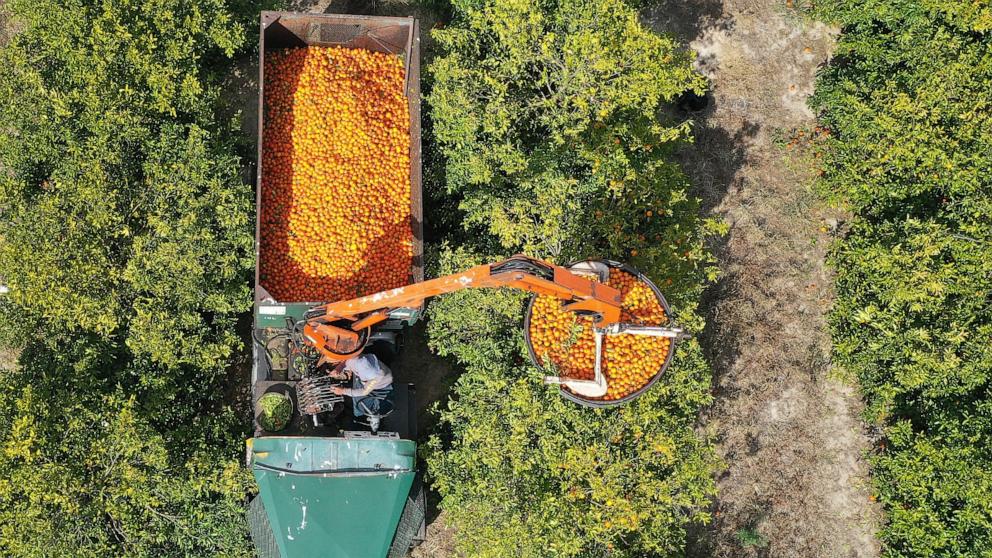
point(371, 384)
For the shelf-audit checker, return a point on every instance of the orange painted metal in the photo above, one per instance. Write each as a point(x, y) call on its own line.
point(334, 343)
point(370, 320)
point(580, 293)
point(587, 294)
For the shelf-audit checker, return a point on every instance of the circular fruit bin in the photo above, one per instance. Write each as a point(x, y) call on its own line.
point(601, 402)
point(274, 410)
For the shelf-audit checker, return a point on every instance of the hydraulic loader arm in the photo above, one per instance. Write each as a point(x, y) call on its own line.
point(582, 294)
point(520, 272)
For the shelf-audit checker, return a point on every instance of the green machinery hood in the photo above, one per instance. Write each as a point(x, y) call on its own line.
point(329, 497)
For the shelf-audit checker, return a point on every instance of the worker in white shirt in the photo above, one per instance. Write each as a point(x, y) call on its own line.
point(371, 383)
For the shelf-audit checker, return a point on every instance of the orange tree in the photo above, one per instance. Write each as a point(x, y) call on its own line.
point(125, 239)
point(88, 471)
point(523, 472)
point(123, 211)
point(545, 113)
point(545, 119)
point(907, 106)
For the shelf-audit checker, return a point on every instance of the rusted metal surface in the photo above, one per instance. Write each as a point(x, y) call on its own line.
point(391, 35)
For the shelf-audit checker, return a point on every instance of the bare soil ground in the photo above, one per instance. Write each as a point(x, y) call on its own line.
point(795, 482)
point(440, 541)
point(8, 358)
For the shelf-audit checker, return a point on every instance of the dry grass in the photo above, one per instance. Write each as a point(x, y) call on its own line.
point(440, 542)
point(794, 483)
point(8, 359)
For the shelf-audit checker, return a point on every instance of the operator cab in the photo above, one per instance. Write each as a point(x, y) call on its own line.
point(280, 367)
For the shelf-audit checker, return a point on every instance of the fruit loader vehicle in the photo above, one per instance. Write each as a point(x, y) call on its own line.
point(339, 277)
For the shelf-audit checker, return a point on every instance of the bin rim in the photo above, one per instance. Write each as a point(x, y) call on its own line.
point(596, 403)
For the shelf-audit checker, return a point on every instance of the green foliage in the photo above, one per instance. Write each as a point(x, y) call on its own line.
point(471, 325)
point(94, 480)
point(937, 488)
point(750, 537)
point(90, 471)
point(524, 472)
point(908, 106)
point(277, 411)
point(530, 474)
point(188, 270)
point(130, 211)
point(545, 113)
point(915, 322)
point(125, 236)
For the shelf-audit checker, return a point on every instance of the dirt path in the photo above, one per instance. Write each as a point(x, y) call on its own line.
point(795, 481)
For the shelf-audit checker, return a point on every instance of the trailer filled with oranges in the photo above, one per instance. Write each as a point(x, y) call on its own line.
point(338, 216)
point(339, 211)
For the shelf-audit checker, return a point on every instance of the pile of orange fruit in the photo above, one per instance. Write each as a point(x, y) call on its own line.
point(335, 211)
point(566, 341)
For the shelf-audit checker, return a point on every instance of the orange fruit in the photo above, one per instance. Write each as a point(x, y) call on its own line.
point(567, 342)
point(335, 212)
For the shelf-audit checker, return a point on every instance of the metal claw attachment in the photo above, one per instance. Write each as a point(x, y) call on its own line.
point(586, 388)
point(597, 386)
point(651, 331)
point(315, 394)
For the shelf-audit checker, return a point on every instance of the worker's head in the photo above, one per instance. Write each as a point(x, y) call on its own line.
point(339, 371)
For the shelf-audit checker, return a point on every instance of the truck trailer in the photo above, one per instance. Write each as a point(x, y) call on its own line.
point(329, 484)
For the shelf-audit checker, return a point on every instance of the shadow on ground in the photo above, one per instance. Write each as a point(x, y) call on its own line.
point(795, 480)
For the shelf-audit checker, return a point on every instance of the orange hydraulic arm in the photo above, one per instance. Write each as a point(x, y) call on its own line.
point(339, 330)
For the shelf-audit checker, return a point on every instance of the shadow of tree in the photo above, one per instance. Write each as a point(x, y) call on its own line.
point(683, 19)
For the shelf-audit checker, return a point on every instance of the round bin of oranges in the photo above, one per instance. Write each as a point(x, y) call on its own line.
point(564, 342)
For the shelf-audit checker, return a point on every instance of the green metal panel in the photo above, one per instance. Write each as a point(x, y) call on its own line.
point(275, 314)
point(333, 497)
